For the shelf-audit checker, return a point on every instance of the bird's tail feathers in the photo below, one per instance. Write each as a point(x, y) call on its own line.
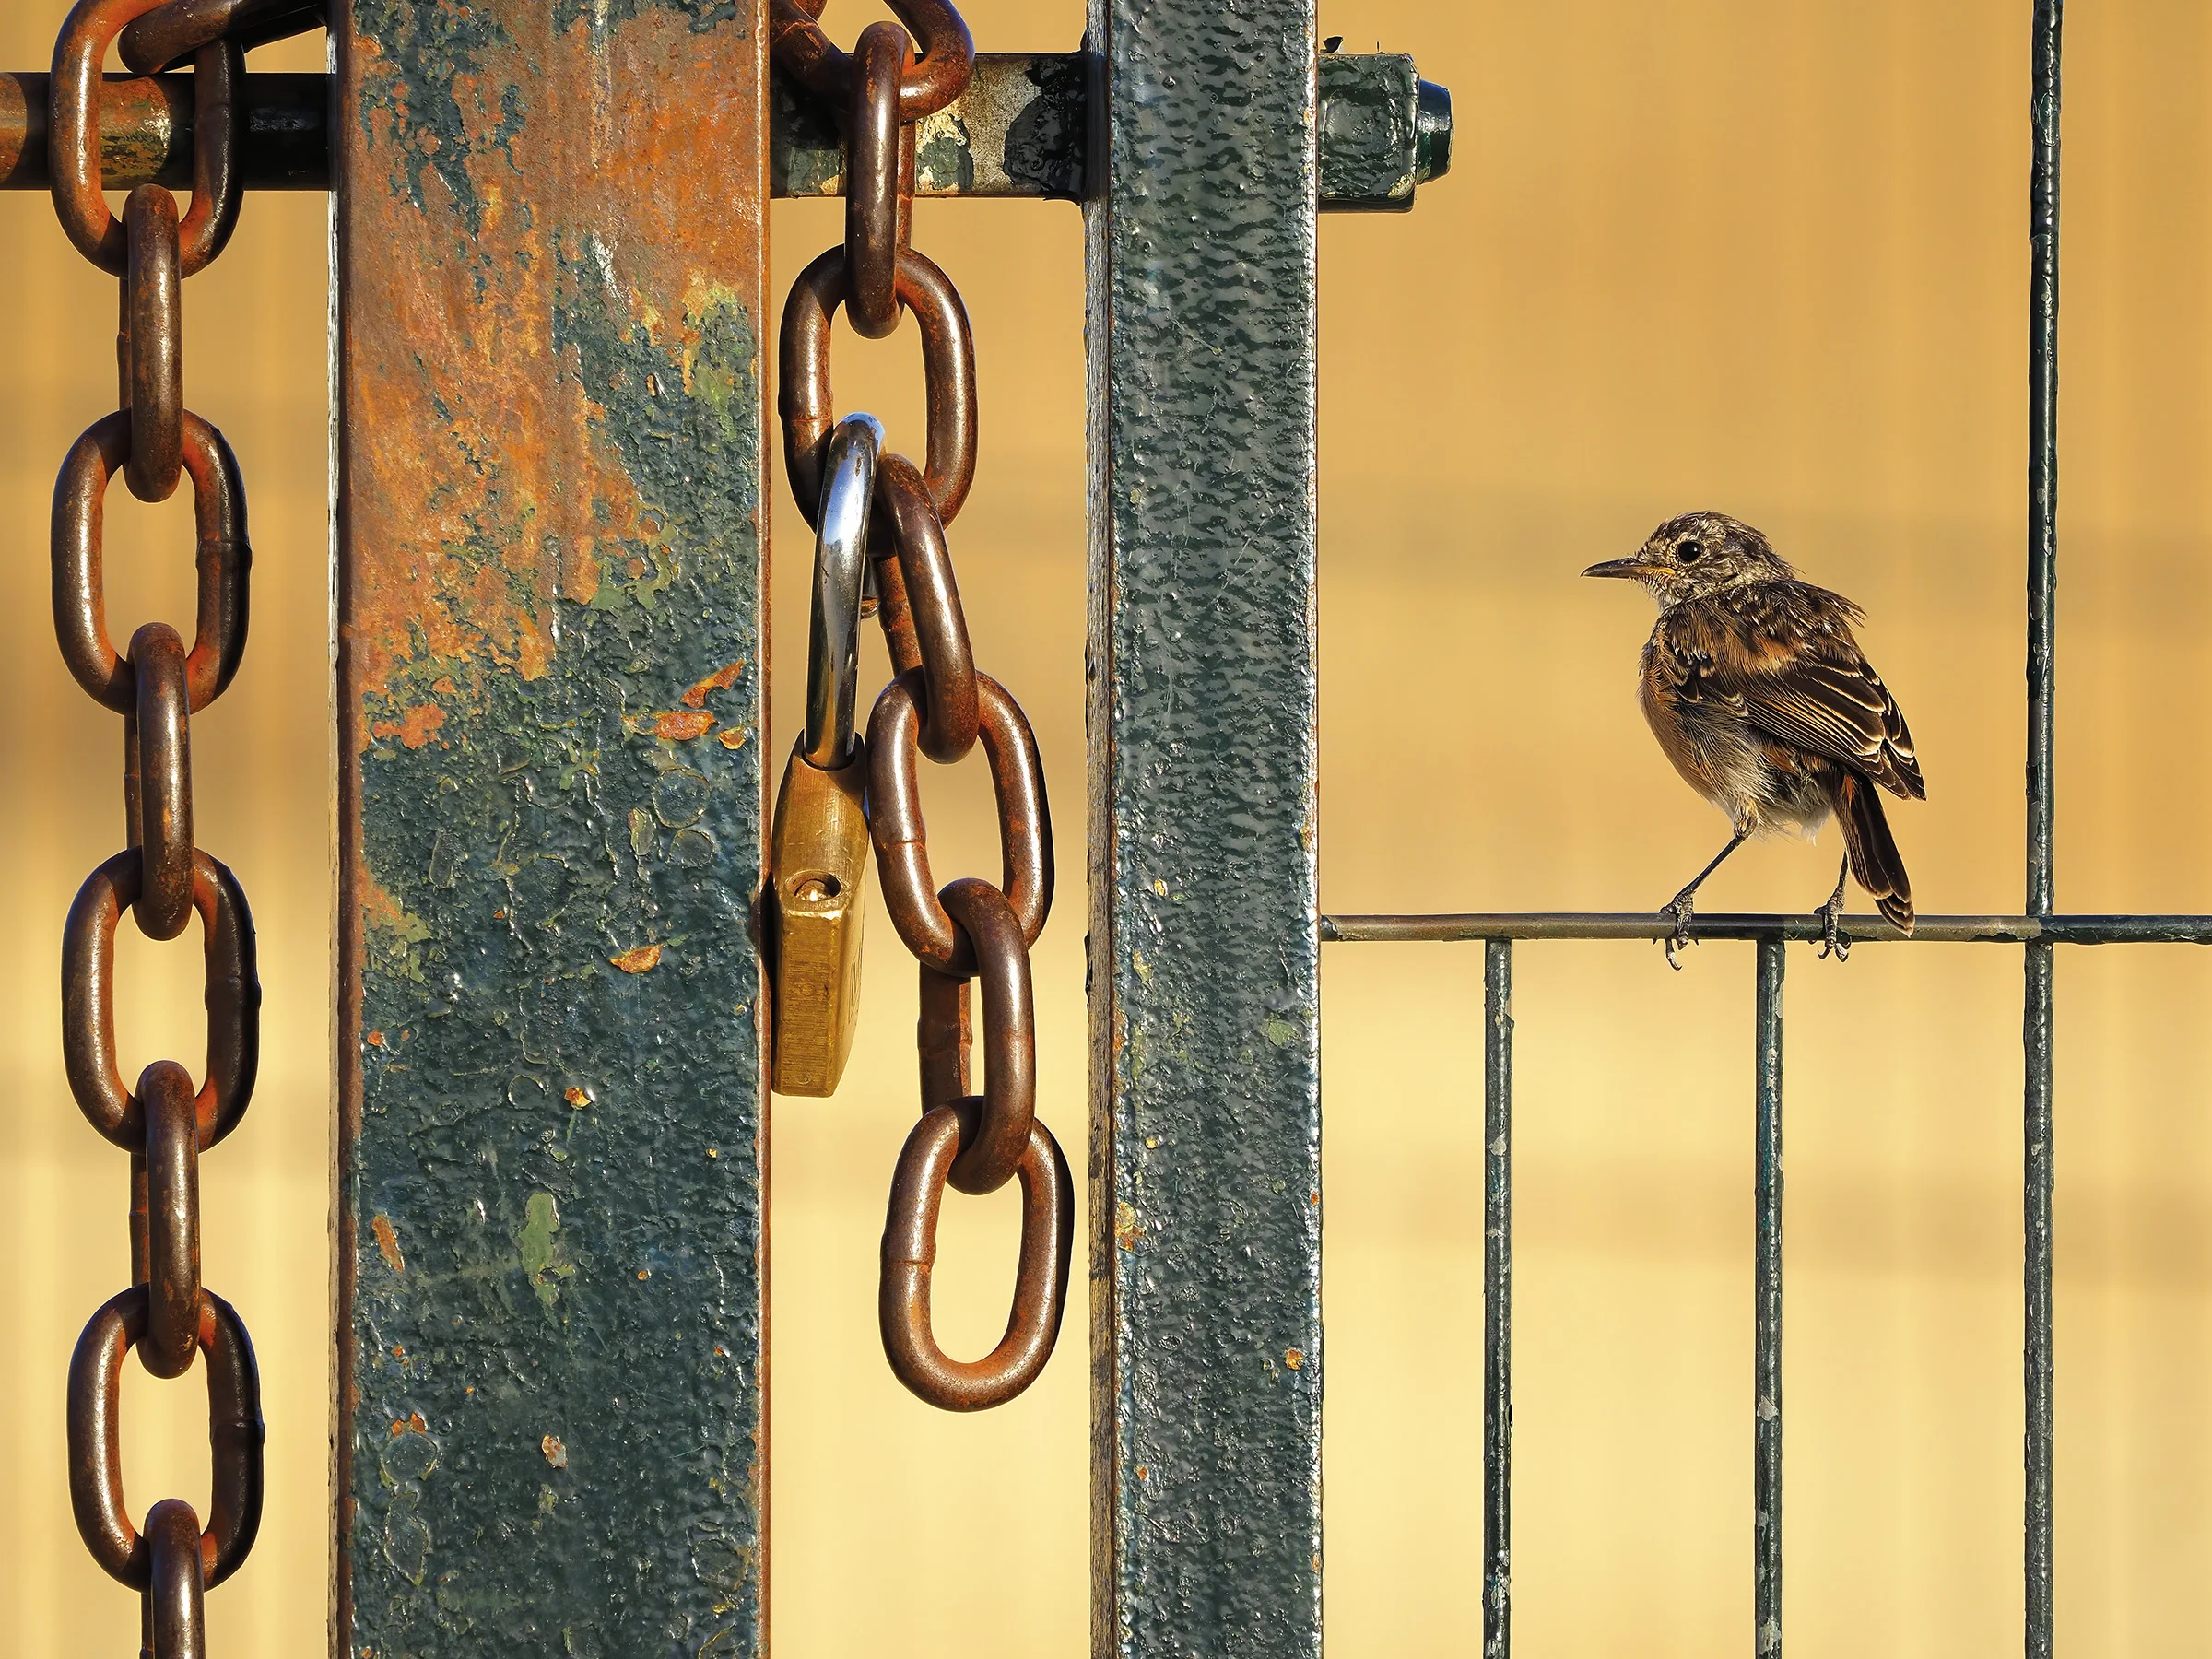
point(1876, 863)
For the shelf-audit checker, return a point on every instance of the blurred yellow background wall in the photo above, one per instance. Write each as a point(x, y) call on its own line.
point(1764, 256)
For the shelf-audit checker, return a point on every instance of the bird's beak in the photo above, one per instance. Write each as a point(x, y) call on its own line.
point(1633, 569)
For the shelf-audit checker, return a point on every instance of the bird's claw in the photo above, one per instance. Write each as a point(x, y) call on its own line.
point(1832, 942)
point(1680, 909)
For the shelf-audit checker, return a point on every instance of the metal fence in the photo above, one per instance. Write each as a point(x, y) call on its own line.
point(1202, 143)
point(2038, 930)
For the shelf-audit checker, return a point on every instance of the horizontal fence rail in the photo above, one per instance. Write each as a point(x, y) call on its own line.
point(1022, 129)
point(1857, 930)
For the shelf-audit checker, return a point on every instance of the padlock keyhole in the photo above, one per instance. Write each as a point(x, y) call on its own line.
point(814, 889)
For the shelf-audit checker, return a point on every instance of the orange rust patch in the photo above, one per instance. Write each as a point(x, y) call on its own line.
point(735, 737)
point(1293, 1358)
point(387, 1243)
point(576, 1097)
point(721, 679)
point(422, 721)
point(376, 1039)
point(1127, 1228)
point(643, 959)
point(483, 489)
point(681, 725)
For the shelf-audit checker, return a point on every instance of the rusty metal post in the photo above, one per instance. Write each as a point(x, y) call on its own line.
point(550, 1434)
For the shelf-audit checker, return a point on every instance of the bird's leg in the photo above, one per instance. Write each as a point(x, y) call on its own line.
point(1831, 918)
point(1682, 906)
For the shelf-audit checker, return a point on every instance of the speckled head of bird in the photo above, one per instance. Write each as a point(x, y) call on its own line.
point(1698, 553)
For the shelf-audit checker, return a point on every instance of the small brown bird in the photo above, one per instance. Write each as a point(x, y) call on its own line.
point(1760, 696)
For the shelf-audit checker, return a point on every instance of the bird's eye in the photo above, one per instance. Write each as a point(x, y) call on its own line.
point(1689, 552)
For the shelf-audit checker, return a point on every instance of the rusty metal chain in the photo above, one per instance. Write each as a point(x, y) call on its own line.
point(161, 876)
point(938, 705)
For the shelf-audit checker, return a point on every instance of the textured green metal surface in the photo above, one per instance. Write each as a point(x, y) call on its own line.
point(1371, 152)
point(1206, 1142)
point(550, 1434)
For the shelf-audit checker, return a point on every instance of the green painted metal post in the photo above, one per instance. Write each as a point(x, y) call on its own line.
point(550, 1432)
point(1206, 1138)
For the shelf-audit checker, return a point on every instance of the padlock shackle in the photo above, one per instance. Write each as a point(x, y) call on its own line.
point(841, 562)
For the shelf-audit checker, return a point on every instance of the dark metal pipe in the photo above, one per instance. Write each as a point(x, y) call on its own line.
point(2039, 1159)
point(1766, 1338)
point(146, 126)
point(1019, 130)
point(2038, 1166)
point(1859, 930)
point(2043, 458)
point(1498, 1299)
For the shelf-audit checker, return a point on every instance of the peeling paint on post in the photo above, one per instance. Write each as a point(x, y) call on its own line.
point(1205, 1137)
point(551, 1428)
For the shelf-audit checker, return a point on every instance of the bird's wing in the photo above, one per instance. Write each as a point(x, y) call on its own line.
point(1791, 660)
point(1687, 652)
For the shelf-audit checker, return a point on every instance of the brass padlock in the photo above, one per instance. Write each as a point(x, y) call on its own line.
point(819, 842)
point(819, 850)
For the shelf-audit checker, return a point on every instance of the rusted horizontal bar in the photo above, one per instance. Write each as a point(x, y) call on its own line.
point(1859, 930)
point(146, 132)
point(1018, 131)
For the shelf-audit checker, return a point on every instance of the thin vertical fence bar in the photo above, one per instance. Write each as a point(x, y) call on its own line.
point(2043, 459)
point(2036, 1366)
point(2039, 1165)
point(1498, 1299)
point(1766, 1365)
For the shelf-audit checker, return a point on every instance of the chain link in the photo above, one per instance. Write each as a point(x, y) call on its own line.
point(810, 410)
point(177, 30)
point(947, 57)
point(939, 705)
point(919, 602)
point(880, 182)
point(150, 346)
point(901, 839)
point(161, 876)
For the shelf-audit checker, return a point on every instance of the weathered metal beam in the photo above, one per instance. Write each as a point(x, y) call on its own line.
point(146, 132)
point(550, 1435)
point(1022, 129)
point(1018, 131)
point(1206, 1135)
